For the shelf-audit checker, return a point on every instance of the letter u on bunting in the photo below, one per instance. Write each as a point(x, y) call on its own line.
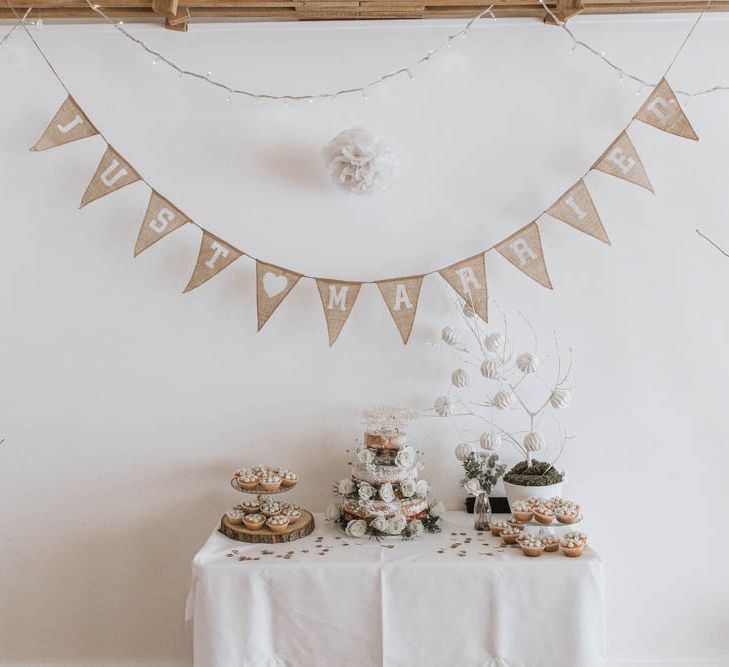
point(112, 174)
point(524, 251)
point(663, 111)
point(337, 298)
point(161, 219)
point(273, 285)
point(69, 124)
point(401, 296)
point(576, 208)
point(622, 161)
point(214, 256)
point(468, 278)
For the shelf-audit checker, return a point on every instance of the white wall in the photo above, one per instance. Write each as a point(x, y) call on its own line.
point(126, 404)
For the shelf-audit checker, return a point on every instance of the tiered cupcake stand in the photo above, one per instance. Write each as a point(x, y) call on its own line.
point(302, 527)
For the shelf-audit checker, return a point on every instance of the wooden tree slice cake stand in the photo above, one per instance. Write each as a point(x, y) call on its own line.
point(303, 526)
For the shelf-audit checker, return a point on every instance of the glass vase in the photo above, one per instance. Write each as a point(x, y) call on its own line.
point(481, 512)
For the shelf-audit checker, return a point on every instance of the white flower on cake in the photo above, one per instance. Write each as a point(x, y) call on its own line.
point(527, 362)
point(473, 486)
point(366, 492)
point(443, 406)
point(345, 486)
point(405, 457)
point(417, 528)
point(380, 523)
point(387, 493)
point(396, 524)
point(356, 528)
point(408, 488)
point(437, 509)
point(333, 513)
point(365, 455)
point(422, 487)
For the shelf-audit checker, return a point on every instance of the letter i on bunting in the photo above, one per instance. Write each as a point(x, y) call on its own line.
point(112, 174)
point(622, 161)
point(214, 256)
point(663, 111)
point(524, 251)
point(273, 285)
point(337, 298)
point(160, 219)
point(468, 278)
point(576, 208)
point(401, 296)
point(69, 124)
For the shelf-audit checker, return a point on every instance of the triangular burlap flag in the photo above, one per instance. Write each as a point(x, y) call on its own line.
point(524, 251)
point(622, 161)
point(69, 124)
point(273, 285)
point(401, 296)
point(112, 174)
point(576, 208)
point(214, 256)
point(337, 298)
point(468, 278)
point(663, 111)
point(160, 219)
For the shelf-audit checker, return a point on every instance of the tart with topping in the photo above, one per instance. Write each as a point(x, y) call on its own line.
point(293, 514)
point(572, 548)
point(235, 516)
point(270, 508)
point(522, 511)
point(496, 527)
point(249, 506)
point(289, 479)
point(543, 514)
point(567, 513)
point(270, 482)
point(576, 536)
point(551, 542)
point(254, 521)
point(246, 479)
point(510, 534)
point(278, 524)
point(532, 547)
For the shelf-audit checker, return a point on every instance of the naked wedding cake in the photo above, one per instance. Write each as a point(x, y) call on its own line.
point(383, 494)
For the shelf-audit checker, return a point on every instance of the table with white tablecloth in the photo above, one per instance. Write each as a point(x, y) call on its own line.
point(452, 598)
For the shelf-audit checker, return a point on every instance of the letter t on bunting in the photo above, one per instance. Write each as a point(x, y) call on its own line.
point(214, 256)
point(663, 111)
point(273, 285)
point(161, 219)
point(401, 296)
point(112, 174)
point(337, 298)
point(69, 124)
point(524, 251)
point(468, 278)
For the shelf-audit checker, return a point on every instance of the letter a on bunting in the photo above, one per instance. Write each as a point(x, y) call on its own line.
point(468, 278)
point(401, 297)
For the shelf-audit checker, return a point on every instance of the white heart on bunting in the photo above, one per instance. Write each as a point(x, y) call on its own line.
point(274, 284)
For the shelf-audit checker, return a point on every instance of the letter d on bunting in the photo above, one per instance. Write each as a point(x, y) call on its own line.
point(337, 298)
point(663, 111)
point(401, 296)
point(214, 256)
point(112, 174)
point(468, 278)
point(69, 124)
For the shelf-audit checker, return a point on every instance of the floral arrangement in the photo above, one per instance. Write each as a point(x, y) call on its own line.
point(381, 527)
point(482, 471)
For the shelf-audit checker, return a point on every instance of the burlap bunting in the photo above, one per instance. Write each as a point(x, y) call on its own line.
point(215, 255)
point(524, 251)
point(337, 299)
point(112, 174)
point(273, 285)
point(69, 124)
point(622, 161)
point(663, 111)
point(576, 208)
point(468, 279)
point(401, 296)
point(161, 219)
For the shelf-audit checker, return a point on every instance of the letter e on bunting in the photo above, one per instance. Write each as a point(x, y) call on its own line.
point(337, 298)
point(214, 256)
point(524, 251)
point(161, 219)
point(69, 124)
point(663, 111)
point(576, 208)
point(112, 174)
point(273, 285)
point(468, 278)
point(401, 296)
point(622, 161)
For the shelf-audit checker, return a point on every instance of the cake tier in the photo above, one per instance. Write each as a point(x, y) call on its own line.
point(380, 441)
point(411, 508)
point(376, 474)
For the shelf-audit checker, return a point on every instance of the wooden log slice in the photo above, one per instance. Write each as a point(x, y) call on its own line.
point(303, 527)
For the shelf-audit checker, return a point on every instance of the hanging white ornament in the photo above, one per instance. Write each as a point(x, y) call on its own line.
point(527, 362)
point(491, 369)
point(490, 441)
point(357, 162)
point(560, 398)
point(468, 311)
point(463, 451)
point(503, 400)
point(443, 406)
point(449, 336)
point(533, 442)
point(459, 378)
point(494, 342)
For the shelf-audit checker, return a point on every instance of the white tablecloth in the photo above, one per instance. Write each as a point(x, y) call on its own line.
point(336, 601)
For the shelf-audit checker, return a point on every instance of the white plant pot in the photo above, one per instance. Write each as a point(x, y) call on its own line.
point(516, 492)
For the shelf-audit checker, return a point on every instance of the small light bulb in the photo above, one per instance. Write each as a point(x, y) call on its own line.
point(154, 61)
point(39, 23)
point(208, 75)
point(229, 96)
point(310, 100)
point(602, 53)
point(180, 75)
point(621, 77)
point(120, 23)
point(411, 75)
point(364, 95)
point(640, 91)
point(573, 48)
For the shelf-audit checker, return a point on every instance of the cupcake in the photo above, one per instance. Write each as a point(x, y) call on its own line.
point(496, 527)
point(235, 516)
point(270, 482)
point(254, 521)
point(247, 480)
point(550, 542)
point(572, 548)
point(522, 511)
point(567, 513)
point(532, 547)
point(249, 506)
point(278, 524)
point(510, 534)
point(270, 508)
point(576, 536)
point(289, 479)
point(293, 514)
point(543, 514)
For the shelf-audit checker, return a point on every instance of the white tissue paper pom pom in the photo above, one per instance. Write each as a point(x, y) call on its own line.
point(357, 162)
point(449, 336)
point(333, 513)
point(459, 378)
point(463, 451)
point(503, 400)
point(444, 406)
point(560, 398)
point(490, 441)
point(491, 369)
point(494, 342)
point(527, 362)
point(533, 442)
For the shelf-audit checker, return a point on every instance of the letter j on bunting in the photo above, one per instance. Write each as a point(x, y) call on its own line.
point(214, 256)
point(273, 285)
point(337, 298)
point(524, 251)
point(401, 297)
point(112, 174)
point(69, 124)
point(468, 278)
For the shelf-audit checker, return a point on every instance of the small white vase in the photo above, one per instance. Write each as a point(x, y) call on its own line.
point(517, 492)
